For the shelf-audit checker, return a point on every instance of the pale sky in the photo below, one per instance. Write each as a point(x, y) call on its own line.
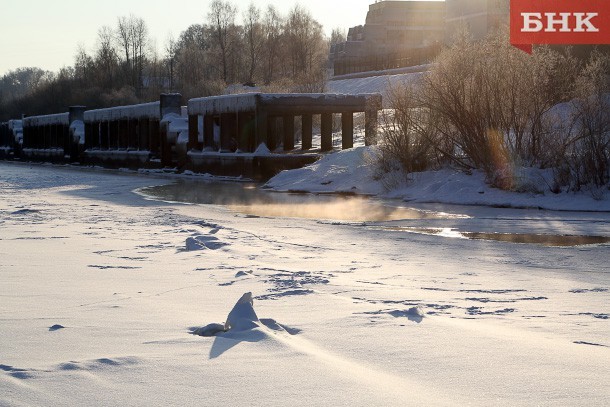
point(46, 33)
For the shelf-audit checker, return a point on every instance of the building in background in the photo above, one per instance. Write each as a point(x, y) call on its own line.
point(476, 17)
point(400, 34)
point(396, 34)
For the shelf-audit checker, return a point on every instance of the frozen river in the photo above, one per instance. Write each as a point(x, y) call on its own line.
point(356, 301)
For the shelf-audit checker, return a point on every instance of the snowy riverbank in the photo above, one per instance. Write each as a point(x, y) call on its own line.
point(352, 171)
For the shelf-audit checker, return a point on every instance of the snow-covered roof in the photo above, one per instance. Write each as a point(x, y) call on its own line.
point(15, 124)
point(47, 120)
point(144, 110)
point(305, 102)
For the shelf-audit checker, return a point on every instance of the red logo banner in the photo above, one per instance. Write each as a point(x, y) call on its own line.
point(559, 22)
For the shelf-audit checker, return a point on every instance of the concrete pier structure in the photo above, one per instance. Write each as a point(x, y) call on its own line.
point(6, 143)
point(47, 137)
point(222, 135)
point(234, 128)
point(246, 121)
point(134, 136)
point(123, 136)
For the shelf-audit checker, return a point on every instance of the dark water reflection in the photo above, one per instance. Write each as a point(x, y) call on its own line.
point(250, 199)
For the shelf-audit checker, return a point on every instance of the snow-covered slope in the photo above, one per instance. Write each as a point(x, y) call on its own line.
point(353, 171)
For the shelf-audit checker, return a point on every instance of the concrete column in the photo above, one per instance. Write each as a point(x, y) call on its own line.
point(76, 113)
point(45, 135)
point(25, 135)
point(261, 127)
point(123, 129)
point(170, 103)
point(154, 136)
point(113, 135)
point(62, 136)
point(104, 135)
point(48, 136)
point(208, 132)
point(193, 133)
point(306, 130)
point(288, 121)
point(166, 148)
point(53, 136)
point(370, 127)
point(144, 130)
point(132, 133)
point(89, 137)
point(228, 131)
point(32, 140)
point(66, 140)
point(327, 132)
point(347, 130)
point(245, 132)
point(272, 133)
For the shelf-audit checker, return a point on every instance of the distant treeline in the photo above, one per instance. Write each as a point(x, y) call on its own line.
point(262, 47)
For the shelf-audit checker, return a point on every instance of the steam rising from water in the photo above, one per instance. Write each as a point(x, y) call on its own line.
point(250, 200)
point(352, 210)
point(247, 199)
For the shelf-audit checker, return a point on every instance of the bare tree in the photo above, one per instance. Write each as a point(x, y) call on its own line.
point(83, 66)
point(222, 19)
point(253, 32)
point(106, 58)
point(132, 36)
point(306, 46)
point(337, 36)
point(272, 32)
point(171, 48)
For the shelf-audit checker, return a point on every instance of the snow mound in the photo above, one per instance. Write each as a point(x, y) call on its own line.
point(203, 242)
point(416, 312)
point(209, 330)
point(242, 317)
point(262, 150)
point(343, 171)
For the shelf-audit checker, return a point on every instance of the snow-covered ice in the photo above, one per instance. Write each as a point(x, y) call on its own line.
point(101, 291)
